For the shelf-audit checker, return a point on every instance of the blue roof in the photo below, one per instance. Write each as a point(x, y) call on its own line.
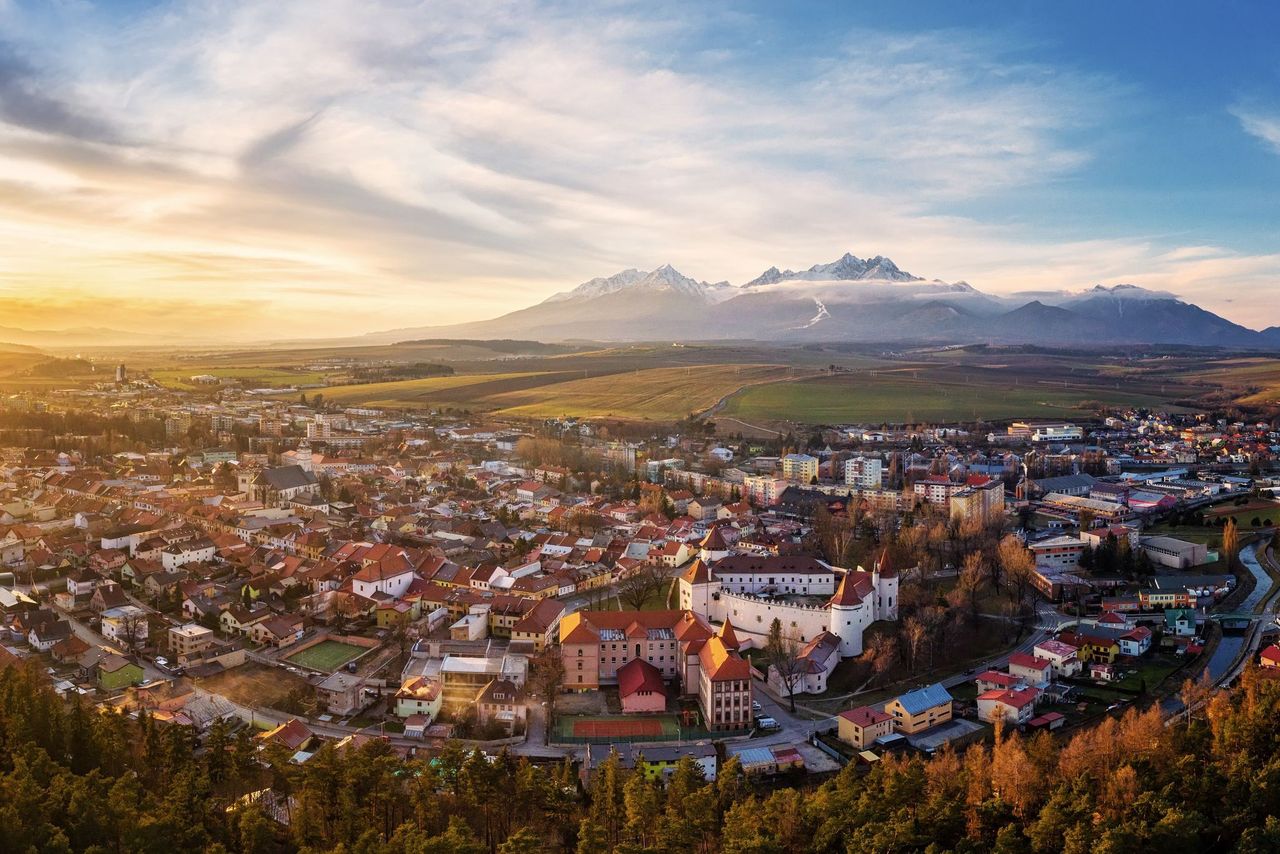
point(923, 699)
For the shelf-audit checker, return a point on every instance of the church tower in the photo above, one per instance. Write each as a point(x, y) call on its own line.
point(304, 455)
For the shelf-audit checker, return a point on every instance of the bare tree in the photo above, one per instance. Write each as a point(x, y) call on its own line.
point(782, 652)
point(547, 674)
point(642, 584)
point(132, 630)
point(914, 633)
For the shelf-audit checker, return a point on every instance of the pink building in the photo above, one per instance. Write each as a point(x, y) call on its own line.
point(640, 687)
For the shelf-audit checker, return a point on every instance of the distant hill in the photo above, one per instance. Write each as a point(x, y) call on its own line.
point(851, 298)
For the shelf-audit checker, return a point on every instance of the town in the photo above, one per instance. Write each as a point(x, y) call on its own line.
point(321, 575)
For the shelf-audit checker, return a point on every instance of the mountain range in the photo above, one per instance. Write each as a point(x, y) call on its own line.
point(852, 299)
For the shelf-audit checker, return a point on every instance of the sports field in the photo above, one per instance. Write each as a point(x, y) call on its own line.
point(611, 727)
point(328, 655)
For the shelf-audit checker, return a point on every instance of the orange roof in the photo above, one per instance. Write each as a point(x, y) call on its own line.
point(697, 573)
point(722, 664)
point(727, 635)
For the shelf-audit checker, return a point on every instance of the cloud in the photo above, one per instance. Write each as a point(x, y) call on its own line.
point(24, 104)
point(1261, 125)
point(450, 160)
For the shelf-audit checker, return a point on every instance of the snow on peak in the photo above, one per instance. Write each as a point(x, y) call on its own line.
point(600, 286)
point(848, 267)
point(665, 278)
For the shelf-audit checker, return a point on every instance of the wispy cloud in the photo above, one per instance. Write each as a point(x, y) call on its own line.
point(1265, 126)
point(392, 163)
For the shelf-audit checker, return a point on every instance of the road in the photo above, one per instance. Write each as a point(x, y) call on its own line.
point(92, 638)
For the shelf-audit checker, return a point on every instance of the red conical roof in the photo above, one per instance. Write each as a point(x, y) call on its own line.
point(728, 635)
point(714, 541)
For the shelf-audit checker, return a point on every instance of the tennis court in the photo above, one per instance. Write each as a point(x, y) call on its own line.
point(328, 655)
point(618, 727)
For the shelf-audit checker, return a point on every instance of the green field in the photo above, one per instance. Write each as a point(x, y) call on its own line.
point(656, 394)
point(928, 393)
point(248, 377)
point(327, 656)
point(473, 390)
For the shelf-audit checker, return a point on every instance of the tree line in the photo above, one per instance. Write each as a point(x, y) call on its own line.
point(76, 779)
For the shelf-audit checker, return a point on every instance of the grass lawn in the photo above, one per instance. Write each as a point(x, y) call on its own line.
point(660, 600)
point(327, 656)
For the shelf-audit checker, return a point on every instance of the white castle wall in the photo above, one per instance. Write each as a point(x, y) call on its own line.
point(752, 616)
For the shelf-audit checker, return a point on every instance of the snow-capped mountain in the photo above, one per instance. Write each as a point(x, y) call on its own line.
point(665, 278)
point(851, 299)
point(849, 268)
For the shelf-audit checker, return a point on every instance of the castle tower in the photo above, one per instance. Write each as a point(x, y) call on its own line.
point(698, 588)
point(849, 614)
point(884, 577)
point(713, 546)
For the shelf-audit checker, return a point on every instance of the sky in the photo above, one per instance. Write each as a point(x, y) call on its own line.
point(250, 171)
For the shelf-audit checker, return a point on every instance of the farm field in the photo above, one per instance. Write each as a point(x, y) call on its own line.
point(656, 394)
point(927, 393)
point(327, 656)
point(1251, 381)
point(249, 377)
point(471, 390)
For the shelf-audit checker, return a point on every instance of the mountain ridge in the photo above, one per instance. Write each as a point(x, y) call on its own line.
point(865, 299)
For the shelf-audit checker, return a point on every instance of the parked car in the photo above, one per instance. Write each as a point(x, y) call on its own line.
point(767, 723)
point(756, 707)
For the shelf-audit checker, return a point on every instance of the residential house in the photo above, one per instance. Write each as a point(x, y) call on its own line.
point(1036, 672)
point(501, 701)
point(1064, 657)
point(1014, 706)
point(860, 727)
point(278, 631)
point(918, 710)
point(115, 673)
point(418, 695)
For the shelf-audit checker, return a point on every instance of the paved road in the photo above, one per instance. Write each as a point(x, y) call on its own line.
point(92, 638)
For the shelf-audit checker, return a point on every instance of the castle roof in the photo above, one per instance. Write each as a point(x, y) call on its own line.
point(885, 566)
point(714, 540)
point(697, 573)
point(854, 587)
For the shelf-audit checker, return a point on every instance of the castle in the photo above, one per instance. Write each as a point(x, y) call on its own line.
point(808, 597)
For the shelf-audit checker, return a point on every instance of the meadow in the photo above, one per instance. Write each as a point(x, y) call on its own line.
point(248, 377)
point(468, 390)
point(656, 394)
point(927, 393)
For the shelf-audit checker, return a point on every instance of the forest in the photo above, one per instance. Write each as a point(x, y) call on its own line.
point(73, 778)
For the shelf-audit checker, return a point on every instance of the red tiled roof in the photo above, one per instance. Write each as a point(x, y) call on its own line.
point(639, 675)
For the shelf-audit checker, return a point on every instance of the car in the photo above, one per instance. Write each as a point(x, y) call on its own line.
point(767, 723)
point(162, 661)
point(756, 707)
